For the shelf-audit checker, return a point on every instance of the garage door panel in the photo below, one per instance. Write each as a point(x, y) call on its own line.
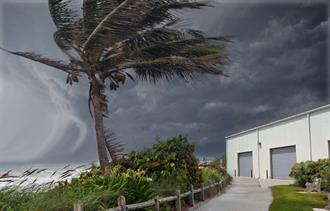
point(282, 160)
point(245, 164)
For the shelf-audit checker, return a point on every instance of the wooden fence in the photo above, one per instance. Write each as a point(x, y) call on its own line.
point(122, 206)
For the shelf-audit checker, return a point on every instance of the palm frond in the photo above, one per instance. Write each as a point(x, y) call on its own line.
point(68, 68)
point(184, 48)
point(153, 36)
point(162, 14)
point(169, 67)
point(123, 18)
point(130, 17)
point(114, 148)
point(94, 12)
point(67, 20)
point(131, 48)
point(70, 50)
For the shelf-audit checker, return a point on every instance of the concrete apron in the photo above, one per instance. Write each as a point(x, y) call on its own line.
point(265, 183)
point(244, 194)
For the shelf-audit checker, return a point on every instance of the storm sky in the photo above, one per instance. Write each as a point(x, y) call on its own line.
point(278, 68)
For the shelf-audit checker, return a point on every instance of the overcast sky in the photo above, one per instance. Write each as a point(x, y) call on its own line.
point(278, 68)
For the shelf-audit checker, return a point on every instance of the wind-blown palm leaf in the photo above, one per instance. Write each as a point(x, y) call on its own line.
point(94, 12)
point(72, 52)
point(167, 36)
point(154, 36)
point(68, 68)
point(131, 47)
point(180, 47)
point(168, 67)
point(155, 52)
point(67, 21)
point(162, 14)
point(162, 42)
point(130, 17)
point(121, 19)
point(115, 149)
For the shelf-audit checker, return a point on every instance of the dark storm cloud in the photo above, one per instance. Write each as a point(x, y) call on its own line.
point(278, 68)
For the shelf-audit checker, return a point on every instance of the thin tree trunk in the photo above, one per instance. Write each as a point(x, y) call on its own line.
point(98, 107)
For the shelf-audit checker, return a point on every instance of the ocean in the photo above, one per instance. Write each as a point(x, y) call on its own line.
point(38, 174)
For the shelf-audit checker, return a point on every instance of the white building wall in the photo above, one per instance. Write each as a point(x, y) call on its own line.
point(320, 133)
point(239, 144)
point(289, 133)
point(309, 132)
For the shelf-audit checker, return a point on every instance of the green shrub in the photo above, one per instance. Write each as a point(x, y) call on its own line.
point(210, 175)
point(218, 164)
point(306, 171)
point(171, 162)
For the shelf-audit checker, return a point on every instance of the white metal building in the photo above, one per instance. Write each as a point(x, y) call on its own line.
point(270, 150)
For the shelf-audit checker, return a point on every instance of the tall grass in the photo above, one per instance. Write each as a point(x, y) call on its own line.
point(94, 190)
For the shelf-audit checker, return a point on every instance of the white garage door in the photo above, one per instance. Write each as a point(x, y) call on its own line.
point(282, 160)
point(245, 164)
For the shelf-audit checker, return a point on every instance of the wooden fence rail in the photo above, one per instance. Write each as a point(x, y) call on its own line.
point(122, 206)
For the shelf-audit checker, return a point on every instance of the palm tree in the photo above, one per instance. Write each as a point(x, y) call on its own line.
point(114, 40)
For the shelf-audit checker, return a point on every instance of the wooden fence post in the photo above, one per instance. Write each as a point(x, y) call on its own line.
point(210, 190)
point(192, 198)
point(178, 201)
point(219, 186)
point(78, 206)
point(157, 203)
point(121, 201)
point(203, 192)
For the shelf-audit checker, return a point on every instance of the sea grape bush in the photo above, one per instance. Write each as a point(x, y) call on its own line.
point(306, 171)
point(172, 160)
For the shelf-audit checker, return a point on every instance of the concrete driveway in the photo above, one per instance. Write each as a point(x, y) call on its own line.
point(244, 194)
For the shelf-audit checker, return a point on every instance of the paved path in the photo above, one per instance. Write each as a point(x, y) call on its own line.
point(244, 194)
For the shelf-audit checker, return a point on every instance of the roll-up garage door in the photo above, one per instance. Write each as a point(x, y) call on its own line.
point(282, 160)
point(245, 164)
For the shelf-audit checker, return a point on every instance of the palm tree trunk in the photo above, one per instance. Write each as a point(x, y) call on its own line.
point(98, 105)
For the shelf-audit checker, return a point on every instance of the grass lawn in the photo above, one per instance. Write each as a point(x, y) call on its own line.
point(288, 198)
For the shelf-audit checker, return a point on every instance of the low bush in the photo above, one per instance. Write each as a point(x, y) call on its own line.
point(210, 175)
point(218, 164)
point(306, 171)
point(170, 163)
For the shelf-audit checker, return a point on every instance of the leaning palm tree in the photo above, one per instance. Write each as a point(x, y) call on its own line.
point(111, 41)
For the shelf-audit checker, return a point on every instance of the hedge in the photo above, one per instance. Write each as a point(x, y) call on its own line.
point(306, 171)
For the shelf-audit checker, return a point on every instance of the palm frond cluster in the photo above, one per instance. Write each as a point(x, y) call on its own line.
point(112, 36)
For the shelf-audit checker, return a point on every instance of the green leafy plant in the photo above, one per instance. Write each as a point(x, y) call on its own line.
point(218, 164)
point(306, 171)
point(171, 163)
point(95, 190)
point(210, 175)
